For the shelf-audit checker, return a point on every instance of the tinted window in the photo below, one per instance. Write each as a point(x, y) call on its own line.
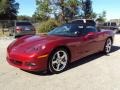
point(108, 23)
point(67, 30)
point(80, 22)
point(89, 29)
point(23, 24)
point(105, 24)
point(113, 24)
point(90, 23)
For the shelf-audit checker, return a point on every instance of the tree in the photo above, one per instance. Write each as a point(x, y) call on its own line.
point(93, 15)
point(67, 8)
point(43, 9)
point(64, 10)
point(87, 8)
point(73, 8)
point(24, 18)
point(8, 9)
point(101, 17)
point(32, 18)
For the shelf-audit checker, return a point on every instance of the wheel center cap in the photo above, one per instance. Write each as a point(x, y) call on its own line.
point(59, 60)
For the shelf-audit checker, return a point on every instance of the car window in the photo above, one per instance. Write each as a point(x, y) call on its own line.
point(67, 30)
point(80, 22)
point(23, 24)
point(108, 23)
point(89, 29)
point(90, 23)
point(105, 24)
point(113, 24)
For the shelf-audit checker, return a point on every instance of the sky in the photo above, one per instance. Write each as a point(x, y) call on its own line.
point(112, 7)
point(27, 7)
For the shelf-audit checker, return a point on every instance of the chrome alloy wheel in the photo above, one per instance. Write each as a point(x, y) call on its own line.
point(108, 45)
point(59, 60)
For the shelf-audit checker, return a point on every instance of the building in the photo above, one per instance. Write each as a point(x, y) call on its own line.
point(117, 21)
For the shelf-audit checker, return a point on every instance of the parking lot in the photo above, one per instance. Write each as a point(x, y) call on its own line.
point(95, 72)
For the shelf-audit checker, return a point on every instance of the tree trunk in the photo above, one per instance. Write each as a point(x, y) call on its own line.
point(62, 8)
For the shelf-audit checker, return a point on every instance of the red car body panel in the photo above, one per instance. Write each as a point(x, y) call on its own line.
point(26, 50)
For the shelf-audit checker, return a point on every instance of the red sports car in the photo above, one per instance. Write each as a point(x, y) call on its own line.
point(63, 45)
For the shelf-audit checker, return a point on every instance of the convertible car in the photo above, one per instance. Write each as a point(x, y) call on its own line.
point(63, 45)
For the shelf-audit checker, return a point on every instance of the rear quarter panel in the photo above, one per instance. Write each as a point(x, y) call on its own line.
point(108, 33)
point(103, 35)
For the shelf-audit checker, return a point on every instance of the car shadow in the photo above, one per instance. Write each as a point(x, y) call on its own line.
point(79, 62)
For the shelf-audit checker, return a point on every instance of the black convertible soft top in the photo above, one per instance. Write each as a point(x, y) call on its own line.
point(84, 22)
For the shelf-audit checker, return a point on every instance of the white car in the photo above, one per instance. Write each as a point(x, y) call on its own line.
point(118, 28)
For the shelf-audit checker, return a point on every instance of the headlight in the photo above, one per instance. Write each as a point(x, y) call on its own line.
point(35, 49)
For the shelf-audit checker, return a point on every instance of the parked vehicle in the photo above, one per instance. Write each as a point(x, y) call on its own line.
point(63, 45)
point(20, 28)
point(118, 28)
point(111, 25)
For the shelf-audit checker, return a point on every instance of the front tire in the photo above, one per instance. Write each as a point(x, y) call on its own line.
point(58, 61)
point(108, 46)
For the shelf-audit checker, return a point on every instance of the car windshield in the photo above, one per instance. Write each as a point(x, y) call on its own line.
point(67, 30)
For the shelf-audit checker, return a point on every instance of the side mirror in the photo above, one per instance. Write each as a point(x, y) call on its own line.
point(76, 33)
point(90, 35)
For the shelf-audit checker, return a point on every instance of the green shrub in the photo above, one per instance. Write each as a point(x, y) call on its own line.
point(47, 26)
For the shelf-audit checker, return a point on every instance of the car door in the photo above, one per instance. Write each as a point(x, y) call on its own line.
point(81, 45)
point(90, 38)
point(78, 48)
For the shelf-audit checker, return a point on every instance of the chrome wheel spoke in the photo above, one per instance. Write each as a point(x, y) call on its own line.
point(58, 54)
point(63, 63)
point(54, 62)
point(63, 57)
point(58, 67)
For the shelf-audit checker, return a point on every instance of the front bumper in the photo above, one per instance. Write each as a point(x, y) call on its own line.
point(28, 64)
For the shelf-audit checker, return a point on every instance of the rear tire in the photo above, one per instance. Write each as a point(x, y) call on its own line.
point(107, 46)
point(58, 61)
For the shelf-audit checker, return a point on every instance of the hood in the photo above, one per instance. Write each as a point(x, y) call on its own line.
point(33, 40)
point(24, 43)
